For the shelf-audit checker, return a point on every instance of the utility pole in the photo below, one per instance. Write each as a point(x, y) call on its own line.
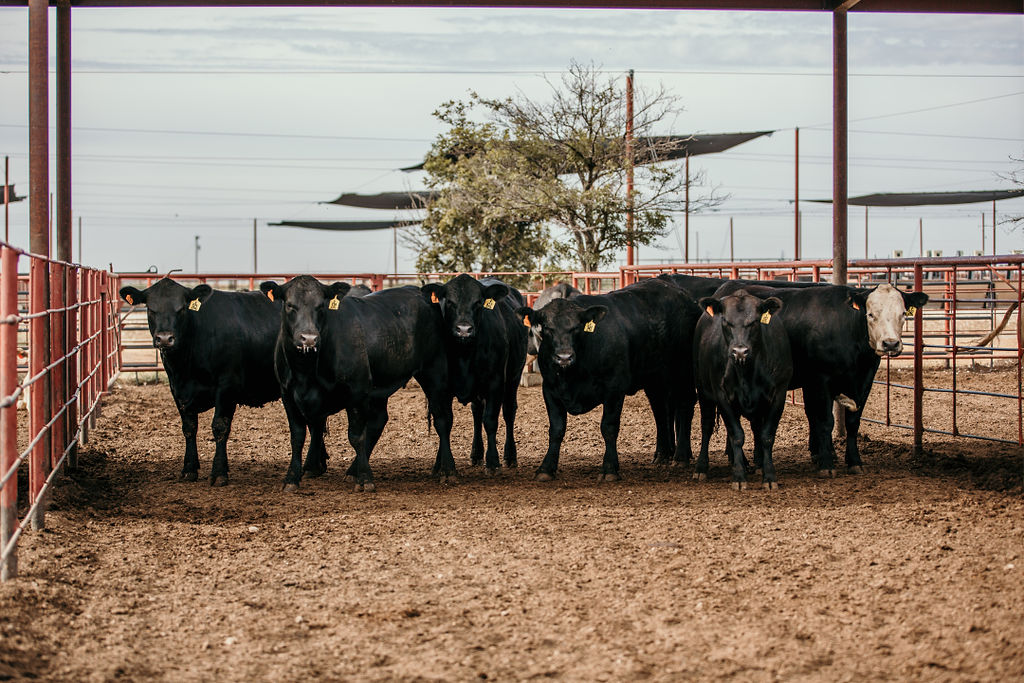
point(686, 219)
point(197, 254)
point(796, 197)
point(629, 169)
point(732, 253)
point(255, 253)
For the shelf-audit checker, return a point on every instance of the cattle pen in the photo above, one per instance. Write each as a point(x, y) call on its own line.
point(429, 582)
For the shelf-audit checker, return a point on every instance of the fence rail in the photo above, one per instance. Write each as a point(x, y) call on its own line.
point(64, 315)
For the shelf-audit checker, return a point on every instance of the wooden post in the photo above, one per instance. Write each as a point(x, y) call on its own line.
point(630, 256)
point(796, 196)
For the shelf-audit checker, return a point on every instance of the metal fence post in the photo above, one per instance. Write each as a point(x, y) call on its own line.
point(38, 339)
point(918, 363)
point(74, 338)
point(8, 414)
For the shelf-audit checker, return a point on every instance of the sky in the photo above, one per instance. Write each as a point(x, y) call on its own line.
point(195, 122)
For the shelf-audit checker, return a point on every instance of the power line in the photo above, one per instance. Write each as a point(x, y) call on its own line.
point(227, 133)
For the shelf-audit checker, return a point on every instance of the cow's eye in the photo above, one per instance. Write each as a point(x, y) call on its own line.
point(290, 308)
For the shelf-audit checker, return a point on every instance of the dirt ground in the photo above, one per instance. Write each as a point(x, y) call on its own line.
point(911, 571)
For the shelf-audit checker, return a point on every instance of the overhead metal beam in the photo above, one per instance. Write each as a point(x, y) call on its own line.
point(839, 148)
point(923, 6)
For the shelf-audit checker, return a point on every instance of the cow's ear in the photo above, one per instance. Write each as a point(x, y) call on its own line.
point(914, 300)
point(859, 300)
point(433, 292)
point(272, 290)
point(496, 292)
point(528, 316)
point(594, 314)
point(336, 290)
point(200, 292)
point(711, 305)
point(134, 297)
point(769, 305)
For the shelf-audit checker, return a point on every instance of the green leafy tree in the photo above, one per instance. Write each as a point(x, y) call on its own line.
point(553, 175)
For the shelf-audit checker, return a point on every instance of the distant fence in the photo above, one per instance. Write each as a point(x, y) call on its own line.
point(64, 318)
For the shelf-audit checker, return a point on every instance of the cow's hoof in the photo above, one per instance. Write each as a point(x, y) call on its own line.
point(770, 485)
point(609, 476)
point(700, 476)
point(855, 469)
point(291, 488)
point(490, 471)
point(662, 462)
point(677, 464)
point(826, 474)
point(312, 474)
point(544, 476)
point(366, 487)
point(448, 479)
point(190, 476)
point(511, 464)
point(739, 486)
point(220, 480)
point(476, 462)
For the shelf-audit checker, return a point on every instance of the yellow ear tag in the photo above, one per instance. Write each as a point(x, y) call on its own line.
point(856, 306)
point(488, 304)
point(589, 327)
point(912, 311)
point(333, 303)
point(270, 294)
point(526, 321)
point(434, 299)
point(710, 311)
point(128, 298)
point(194, 305)
point(766, 317)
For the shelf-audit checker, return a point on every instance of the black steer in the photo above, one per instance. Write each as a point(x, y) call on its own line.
point(486, 345)
point(837, 337)
point(218, 352)
point(338, 353)
point(742, 366)
point(596, 350)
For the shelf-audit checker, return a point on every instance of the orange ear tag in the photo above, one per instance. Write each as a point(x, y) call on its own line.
point(526, 321)
point(333, 303)
point(488, 304)
point(912, 311)
point(856, 306)
point(270, 294)
point(194, 305)
point(128, 298)
point(710, 311)
point(434, 299)
point(766, 318)
point(589, 327)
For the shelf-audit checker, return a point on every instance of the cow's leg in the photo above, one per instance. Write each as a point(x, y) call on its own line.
point(734, 432)
point(684, 406)
point(223, 414)
point(316, 456)
point(509, 407)
point(189, 428)
point(434, 382)
point(356, 429)
point(707, 427)
point(557, 420)
point(492, 407)
point(664, 447)
point(765, 430)
point(818, 408)
point(297, 432)
point(375, 416)
point(476, 455)
point(610, 419)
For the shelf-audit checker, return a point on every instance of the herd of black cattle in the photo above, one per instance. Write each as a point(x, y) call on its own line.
point(734, 346)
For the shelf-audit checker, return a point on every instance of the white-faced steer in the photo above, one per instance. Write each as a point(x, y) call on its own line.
point(486, 347)
point(837, 336)
point(338, 353)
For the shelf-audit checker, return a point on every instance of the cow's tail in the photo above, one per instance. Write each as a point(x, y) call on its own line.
point(430, 422)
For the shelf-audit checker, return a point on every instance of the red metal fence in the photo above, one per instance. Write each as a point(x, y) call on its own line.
point(67, 320)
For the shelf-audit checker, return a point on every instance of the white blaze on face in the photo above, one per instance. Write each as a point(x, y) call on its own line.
point(886, 315)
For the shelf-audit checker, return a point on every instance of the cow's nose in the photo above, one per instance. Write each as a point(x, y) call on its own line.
point(891, 346)
point(565, 359)
point(740, 354)
point(463, 330)
point(163, 340)
point(308, 342)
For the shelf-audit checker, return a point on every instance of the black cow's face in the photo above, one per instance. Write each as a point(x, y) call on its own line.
point(741, 317)
point(561, 326)
point(306, 303)
point(463, 300)
point(168, 307)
